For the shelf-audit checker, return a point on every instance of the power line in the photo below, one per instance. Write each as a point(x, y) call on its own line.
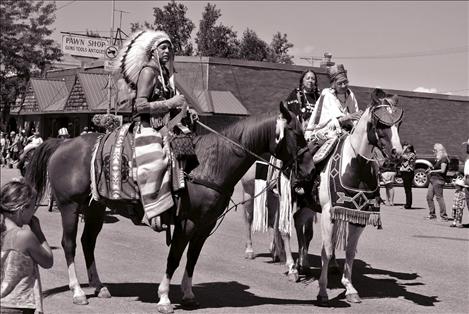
point(412, 54)
point(445, 51)
point(66, 4)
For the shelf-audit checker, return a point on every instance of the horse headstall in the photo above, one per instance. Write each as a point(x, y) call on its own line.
point(387, 114)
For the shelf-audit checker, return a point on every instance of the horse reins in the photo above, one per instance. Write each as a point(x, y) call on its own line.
point(238, 145)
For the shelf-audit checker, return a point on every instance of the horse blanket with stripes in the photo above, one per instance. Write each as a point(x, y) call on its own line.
point(132, 166)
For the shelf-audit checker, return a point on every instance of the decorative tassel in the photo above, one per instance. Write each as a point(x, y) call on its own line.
point(286, 206)
point(260, 211)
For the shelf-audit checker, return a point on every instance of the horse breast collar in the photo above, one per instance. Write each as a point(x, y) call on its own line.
point(353, 204)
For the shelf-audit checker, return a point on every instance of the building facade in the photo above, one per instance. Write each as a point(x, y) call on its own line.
point(224, 91)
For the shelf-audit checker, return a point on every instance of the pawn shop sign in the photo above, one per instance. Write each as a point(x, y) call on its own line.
point(111, 52)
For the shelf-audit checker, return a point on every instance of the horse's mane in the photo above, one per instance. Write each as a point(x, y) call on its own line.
point(213, 151)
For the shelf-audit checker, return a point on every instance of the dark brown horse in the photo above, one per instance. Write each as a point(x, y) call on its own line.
point(221, 166)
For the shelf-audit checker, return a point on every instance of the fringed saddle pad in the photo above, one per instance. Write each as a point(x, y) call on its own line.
point(353, 203)
point(112, 166)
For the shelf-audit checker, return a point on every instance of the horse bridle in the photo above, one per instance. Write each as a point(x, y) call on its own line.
point(385, 114)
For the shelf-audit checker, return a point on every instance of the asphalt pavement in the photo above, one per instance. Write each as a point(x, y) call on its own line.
point(412, 265)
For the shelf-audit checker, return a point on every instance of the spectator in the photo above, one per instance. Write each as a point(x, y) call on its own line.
point(437, 175)
point(458, 203)
point(407, 167)
point(34, 141)
point(466, 173)
point(23, 247)
point(63, 133)
point(4, 143)
point(85, 130)
point(388, 175)
point(14, 148)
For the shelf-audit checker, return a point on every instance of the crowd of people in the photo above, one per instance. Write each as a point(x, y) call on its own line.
point(437, 180)
point(14, 145)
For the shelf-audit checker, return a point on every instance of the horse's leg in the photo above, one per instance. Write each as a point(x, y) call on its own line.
point(248, 217)
point(178, 245)
point(289, 261)
point(304, 232)
point(69, 213)
point(94, 218)
point(354, 233)
point(193, 253)
point(327, 229)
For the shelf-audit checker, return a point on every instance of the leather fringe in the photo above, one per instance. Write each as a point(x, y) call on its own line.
point(357, 217)
point(94, 186)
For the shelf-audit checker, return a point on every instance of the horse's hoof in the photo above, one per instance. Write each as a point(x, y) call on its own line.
point(323, 300)
point(293, 275)
point(165, 308)
point(353, 298)
point(249, 255)
point(80, 300)
point(190, 303)
point(103, 292)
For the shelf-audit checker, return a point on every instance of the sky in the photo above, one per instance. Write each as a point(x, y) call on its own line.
point(405, 45)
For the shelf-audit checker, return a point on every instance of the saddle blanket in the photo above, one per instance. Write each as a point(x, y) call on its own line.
point(354, 199)
point(113, 173)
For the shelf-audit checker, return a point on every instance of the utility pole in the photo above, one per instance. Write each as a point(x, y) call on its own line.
point(109, 75)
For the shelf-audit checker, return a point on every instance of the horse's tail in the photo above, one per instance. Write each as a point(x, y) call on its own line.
point(36, 174)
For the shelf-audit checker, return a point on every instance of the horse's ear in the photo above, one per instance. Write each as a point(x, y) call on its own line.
point(376, 96)
point(287, 115)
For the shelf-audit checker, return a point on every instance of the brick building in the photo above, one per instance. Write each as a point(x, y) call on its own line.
point(225, 90)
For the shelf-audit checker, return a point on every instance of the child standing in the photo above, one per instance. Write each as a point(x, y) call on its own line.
point(23, 247)
point(458, 203)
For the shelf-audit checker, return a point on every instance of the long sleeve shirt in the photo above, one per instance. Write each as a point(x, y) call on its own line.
point(332, 109)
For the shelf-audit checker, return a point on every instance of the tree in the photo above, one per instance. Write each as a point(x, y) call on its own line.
point(215, 40)
point(252, 47)
point(172, 19)
point(279, 49)
point(26, 47)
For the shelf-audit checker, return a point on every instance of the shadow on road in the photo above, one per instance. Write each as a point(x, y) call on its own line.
point(370, 282)
point(209, 295)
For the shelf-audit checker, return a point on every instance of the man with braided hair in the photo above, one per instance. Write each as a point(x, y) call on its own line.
point(146, 64)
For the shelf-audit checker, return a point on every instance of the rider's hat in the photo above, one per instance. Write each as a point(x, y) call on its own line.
point(63, 132)
point(337, 72)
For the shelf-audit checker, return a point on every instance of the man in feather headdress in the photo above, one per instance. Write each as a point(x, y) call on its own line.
point(146, 64)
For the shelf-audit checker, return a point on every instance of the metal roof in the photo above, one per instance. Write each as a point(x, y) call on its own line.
point(224, 102)
point(50, 94)
point(96, 91)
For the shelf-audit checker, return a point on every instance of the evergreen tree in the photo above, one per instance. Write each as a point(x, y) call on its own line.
point(215, 40)
point(172, 19)
point(25, 27)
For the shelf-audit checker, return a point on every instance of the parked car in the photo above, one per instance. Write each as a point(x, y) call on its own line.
point(423, 162)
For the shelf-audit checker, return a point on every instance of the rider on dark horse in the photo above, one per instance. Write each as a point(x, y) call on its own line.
point(146, 64)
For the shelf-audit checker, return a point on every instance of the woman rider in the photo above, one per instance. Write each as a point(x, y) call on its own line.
point(302, 100)
point(146, 64)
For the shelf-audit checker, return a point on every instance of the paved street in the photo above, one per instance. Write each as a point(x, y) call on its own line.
point(412, 265)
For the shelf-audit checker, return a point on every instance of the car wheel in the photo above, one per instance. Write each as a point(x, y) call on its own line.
point(399, 181)
point(420, 178)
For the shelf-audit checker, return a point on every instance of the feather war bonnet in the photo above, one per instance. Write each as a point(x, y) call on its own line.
point(136, 53)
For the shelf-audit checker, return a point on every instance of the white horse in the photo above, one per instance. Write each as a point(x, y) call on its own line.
point(352, 170)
